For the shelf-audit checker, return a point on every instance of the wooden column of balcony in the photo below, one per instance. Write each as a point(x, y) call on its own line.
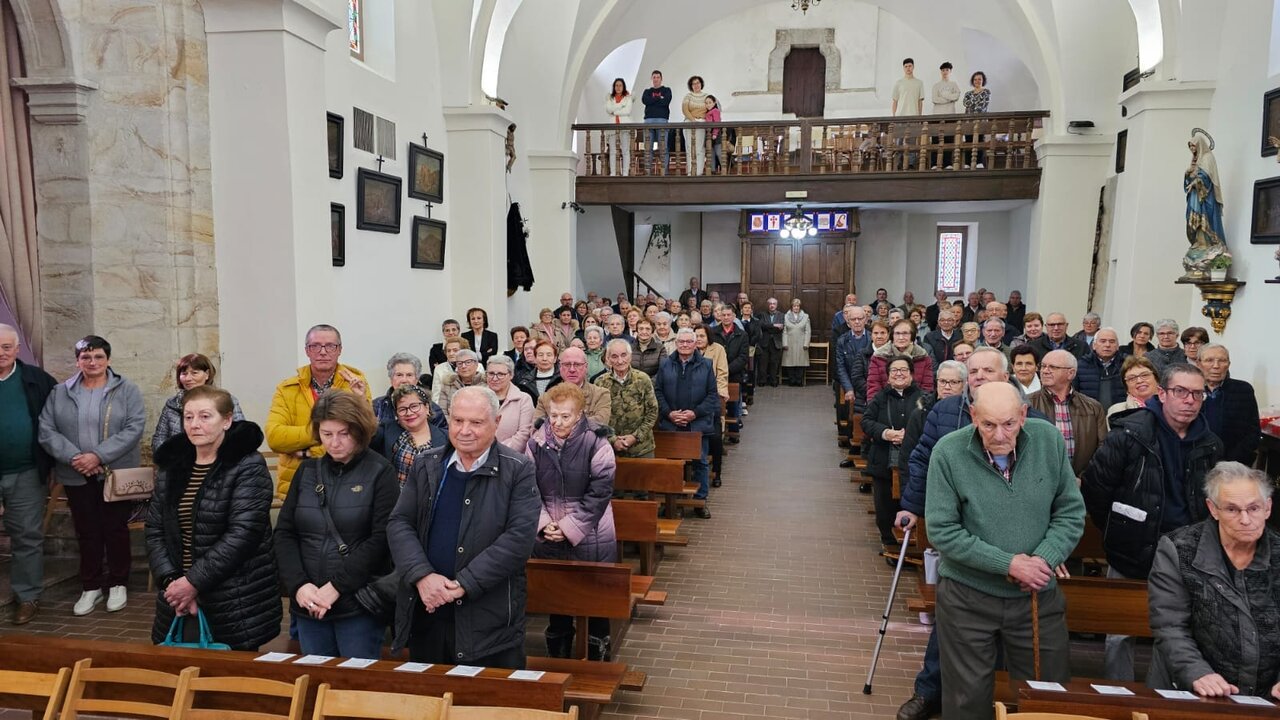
point(923, 158)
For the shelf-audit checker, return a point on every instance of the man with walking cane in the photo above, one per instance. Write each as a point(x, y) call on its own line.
point(1003, 509)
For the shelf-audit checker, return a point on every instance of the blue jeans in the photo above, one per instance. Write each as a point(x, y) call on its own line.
point(701, 473)
point(22, 494)
point(662, 138)
point(358, 636)
point(929, 679)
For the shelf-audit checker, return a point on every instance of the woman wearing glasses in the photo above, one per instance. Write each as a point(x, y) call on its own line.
point(885, 422)
point(515, 407)
point(1214, 610)
point(331, 538)
point(1140, 382)
point(418, 426)
point(902, 341)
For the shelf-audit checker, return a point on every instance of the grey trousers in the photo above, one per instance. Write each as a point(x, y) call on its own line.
point(23, 497)
point(970, 626)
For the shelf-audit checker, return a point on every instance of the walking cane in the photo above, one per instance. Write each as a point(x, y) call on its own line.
point(1035, 632)
point(884, 620)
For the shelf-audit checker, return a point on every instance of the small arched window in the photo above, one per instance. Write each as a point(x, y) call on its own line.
point(355, 28)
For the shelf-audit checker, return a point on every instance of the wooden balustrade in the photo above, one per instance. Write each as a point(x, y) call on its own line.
point(848, 146)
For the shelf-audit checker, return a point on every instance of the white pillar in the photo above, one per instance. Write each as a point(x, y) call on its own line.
point(270, 200)
point(1149, 237)
point(476, 252)
point(1063, 223)
point(553, 239)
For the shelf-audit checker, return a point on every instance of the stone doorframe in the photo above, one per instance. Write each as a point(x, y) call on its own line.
point(822, 38)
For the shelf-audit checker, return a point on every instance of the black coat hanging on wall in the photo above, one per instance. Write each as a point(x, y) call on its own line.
point(519, 271)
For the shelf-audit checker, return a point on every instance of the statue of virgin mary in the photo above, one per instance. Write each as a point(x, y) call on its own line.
point(1204, 208)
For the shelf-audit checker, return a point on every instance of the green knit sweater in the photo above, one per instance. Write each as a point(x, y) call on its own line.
point(979, 522)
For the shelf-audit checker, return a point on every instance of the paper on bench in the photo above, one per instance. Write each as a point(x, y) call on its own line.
point(413, 667)
point(1250, 700)
point(313, 660)
point(1041, 685)
point(1112, 689)
point(526, 675)
point(356, 663)
point(273, 657)
point(1177, 695)
point(465, 671)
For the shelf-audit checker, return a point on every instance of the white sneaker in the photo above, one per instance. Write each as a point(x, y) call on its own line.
point(89, 600)
point(980, 166)
point(117, 598)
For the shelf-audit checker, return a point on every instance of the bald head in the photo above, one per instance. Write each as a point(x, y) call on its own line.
point(999, 412)
point(1057, 370)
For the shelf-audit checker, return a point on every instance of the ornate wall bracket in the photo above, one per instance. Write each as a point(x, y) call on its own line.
point(1218, 296)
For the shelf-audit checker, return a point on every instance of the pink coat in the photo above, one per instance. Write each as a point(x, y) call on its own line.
point(515, 419)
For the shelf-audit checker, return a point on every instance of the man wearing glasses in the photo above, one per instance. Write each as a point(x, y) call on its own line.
point(289, 422)
point(1055, 337)
point(1081, 419)
point(573, 369)
point(1147, 479)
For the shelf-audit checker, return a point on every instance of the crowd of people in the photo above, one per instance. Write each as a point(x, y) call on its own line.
point(415, 510)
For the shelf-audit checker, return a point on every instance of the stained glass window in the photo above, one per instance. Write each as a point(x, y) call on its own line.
point(355, 28)
point(950, 262)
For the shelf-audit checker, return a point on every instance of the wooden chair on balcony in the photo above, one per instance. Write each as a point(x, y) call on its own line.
point(745, 152)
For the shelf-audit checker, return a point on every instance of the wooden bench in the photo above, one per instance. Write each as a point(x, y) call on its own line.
point(733, 425)
point(586, 590)
point(656, 476)
point(1082, 699)
point(636, 521)
point(674, 445)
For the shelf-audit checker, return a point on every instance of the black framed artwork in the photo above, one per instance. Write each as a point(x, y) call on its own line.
point(335, 127)
point(1122, 149)
point(377, 201)
point(427, 245)
point(338, 233)
point(1270, 121)
point(1265, 227)
point(426, 174)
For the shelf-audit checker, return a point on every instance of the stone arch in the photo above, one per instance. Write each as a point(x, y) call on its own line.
point(46, 46)
point(822, 38)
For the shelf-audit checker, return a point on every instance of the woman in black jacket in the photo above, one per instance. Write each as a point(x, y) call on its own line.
point(331, 537)
point(885, 423)
point(208, 526)
point(480, 337)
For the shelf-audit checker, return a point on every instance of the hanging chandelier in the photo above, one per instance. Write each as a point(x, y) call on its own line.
point(804, 5)
point(797, 225)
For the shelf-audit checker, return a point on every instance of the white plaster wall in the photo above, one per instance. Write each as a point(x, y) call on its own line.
point(721, 248)
point(599, 269)
point(881, 254)
point(686, 246)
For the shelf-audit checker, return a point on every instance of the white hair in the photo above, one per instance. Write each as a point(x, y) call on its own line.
point(480, 392)
point(1167, 323)
point(1229, 471)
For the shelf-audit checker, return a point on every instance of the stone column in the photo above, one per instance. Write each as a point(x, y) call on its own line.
point(553, 241)
point(1063, 223)
point(267, 101)
point(1149, 233)
point(476, 248)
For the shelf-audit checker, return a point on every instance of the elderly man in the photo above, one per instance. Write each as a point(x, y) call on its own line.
point(999, 310)
point(449, 329)
point(973, 306)
point(615, 328)
point(1017, 310)
point(908, 303)
point(882, 298)
point(1167, 349)
point(288, 428)
point(633, 405)
point(24, 470)
point(1147, 479)
point(942, 338)
point(852, 349)
point(931, 312)
point(1089, 326)
point(688, 401)
point(1098, 375)
point(695, 292)
point(1231, 407)
point(460, 535)
point(993, 333)
point(769, 368)
point(467, 372)
point(1056, 337)
point(1081, 419)
point(734, 339)
point(573, 369)
point(1003, 506)
point(838, 324)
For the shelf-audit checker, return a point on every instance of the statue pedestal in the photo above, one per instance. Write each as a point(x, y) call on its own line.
point(1218, 296)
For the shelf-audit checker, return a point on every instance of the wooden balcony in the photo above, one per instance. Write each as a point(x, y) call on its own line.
point(927, 158)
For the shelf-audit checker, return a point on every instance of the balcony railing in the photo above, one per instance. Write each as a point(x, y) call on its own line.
point(848, 146)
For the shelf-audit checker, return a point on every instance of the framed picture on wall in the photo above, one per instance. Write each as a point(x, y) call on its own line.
point(377, 201)
point(338, 233)
point(1270, 121)
point(427, 245)
point(335, 126)
point(426, 174)
point(1265, 228)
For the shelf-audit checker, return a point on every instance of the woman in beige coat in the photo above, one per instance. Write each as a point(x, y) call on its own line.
point(795, 344)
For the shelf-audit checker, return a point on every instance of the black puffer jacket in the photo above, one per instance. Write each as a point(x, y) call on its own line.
point(359, 495)
point(233, 568)
point(888, 410)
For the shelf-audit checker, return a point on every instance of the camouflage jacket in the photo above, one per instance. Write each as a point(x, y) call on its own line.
point(635, 410)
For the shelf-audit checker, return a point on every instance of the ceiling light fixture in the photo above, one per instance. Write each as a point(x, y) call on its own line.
point(797, 225)
point(804, 5)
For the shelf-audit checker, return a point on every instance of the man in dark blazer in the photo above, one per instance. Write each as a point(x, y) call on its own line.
point(769, 367)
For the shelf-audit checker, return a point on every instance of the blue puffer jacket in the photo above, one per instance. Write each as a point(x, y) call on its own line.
point(687, 386)
point(1091, 375)
point(947, 416)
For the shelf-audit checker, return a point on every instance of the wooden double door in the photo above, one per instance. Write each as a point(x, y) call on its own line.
point(818, 270)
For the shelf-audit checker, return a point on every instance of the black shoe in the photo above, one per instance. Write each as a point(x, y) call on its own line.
point(702, 512)
point(559, 645)
point(918, 708)
point(864, 488)
point(598, 648)
point(846, 464)
point(715, 482)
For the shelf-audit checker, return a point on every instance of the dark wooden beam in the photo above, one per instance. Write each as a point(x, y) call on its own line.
point(931, 186)
point(624, 231)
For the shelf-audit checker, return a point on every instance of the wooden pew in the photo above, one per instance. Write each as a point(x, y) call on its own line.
point(1082, 699)
point(586, 590)
point(733, 425)
point(45, 653)
point(674, 445)
point(637, 521)
point(658, 476)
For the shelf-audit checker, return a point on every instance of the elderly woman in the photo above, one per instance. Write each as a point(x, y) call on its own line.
point(971, 332)
point(419, 425)
point(593, 340)
point(902, 343)
point(1166, 351)
point(1194, 338)
point(193, 371)
point(961, 351)
point(539, 370)
point(581, 311)
point(1212, 592)
point(208, 527)
point(795, 344)
point(402, 369)
point(633, 317)
point(590, 322)
point(519, 336)
point(443, 374)
point(885, 423)
point(482, 339)
point(1025, 360)
point(467, 372)
point(515, 407)
point(92, 422)
point(565, 327)
point(574, 465)
point(647, 350)
point(340, 499)
point(1141, 381)
point(1140, 340)
point(715, 354)
point(545, 328)
point(664, 332)
point(922, 327)
point(1032, 329)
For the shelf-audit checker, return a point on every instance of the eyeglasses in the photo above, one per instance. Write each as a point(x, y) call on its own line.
point(899, 371)
point(325, 347)
point(1234, 512)
point(413, 409)
point(464, 363)
point(1055, 368)
point(950, 383)
point(498, 374)
point(1134, 377)
point(572, 364)
point(1061, 324)
point(1182, 393)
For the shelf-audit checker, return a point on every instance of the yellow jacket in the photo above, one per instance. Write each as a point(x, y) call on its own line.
point(289, 422)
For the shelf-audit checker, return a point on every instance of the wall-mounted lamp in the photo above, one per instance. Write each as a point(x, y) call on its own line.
point(575, 206)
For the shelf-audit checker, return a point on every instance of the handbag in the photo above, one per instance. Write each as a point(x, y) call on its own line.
point(378, 596)
point(127, 483)
point(174, 636)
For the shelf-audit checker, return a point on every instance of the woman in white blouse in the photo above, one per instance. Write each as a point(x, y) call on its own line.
point(618, 106)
